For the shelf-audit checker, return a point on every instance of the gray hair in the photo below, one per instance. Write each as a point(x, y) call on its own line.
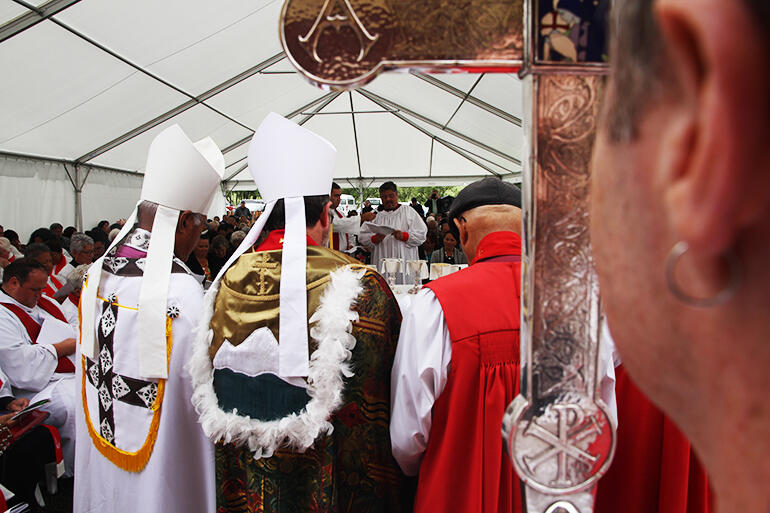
point(79, 241)
point(237, 237)
point(641, 71)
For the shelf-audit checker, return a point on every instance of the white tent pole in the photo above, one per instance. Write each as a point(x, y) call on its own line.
point(74, 180)
point(181, 108)
point(430, 163)
point(34, 16)
point(322, 100)
point(470, 98)
point(355, 132)
point(78, 201)
point(449, 145)
point(465, 97)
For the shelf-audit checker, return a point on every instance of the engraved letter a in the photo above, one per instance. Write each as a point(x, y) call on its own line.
point(348, 18)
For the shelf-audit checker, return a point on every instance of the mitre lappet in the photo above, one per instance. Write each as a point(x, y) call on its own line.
point(180, 175)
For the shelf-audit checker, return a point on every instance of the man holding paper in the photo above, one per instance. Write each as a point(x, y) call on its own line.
point(35, 342)
point(396, 232)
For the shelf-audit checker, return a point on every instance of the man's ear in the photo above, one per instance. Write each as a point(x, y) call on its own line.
point(325, 219)
point(713, 159)
point(463, 231)
point(13, 284)
point(187, 221)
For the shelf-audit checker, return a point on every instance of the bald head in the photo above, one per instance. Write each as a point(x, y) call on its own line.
point(477, 223)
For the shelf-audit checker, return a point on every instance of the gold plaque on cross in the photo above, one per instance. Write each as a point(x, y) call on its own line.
point(342, 44)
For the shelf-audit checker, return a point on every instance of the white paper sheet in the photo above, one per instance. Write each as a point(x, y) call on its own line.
point(377, 228)
point(54, 331)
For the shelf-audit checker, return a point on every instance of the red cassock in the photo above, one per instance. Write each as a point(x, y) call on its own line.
point(654, 470)
point(465, 467)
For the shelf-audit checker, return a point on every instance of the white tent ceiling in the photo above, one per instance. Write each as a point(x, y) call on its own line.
point(91, 82)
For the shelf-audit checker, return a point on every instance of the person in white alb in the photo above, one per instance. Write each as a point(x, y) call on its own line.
point(402, 243)
point(344, 228)
point(35, 342)
point(140, 447)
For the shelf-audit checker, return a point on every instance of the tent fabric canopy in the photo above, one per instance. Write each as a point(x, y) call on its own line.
point(89, 84)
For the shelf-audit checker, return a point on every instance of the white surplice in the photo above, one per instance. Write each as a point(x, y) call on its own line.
point(405, 219)
point(179, 475)
point(345, 227)
point(31, 371)
point(420, 372)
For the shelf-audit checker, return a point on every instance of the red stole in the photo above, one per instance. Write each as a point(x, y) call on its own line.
point(59, 266)
point(33, 328)
point(654, 468)
point(54, 283)
point(52, 286)
point(336, 235)
point(274, 241)
point(465, 467)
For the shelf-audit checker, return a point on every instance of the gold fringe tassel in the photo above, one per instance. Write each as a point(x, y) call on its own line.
point(131, 461)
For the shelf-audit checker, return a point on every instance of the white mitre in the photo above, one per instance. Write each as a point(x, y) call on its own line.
point(180, 175)
point(288, 162)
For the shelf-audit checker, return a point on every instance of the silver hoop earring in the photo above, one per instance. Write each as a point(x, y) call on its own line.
point(724, 295)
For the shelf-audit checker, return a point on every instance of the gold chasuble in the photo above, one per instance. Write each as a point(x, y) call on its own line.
point(260, 463)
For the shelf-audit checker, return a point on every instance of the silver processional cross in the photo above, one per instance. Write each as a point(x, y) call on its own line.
point(558, 434)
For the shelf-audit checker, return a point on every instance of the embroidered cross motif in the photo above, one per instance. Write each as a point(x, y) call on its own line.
point(111, 386)
point(263, 265)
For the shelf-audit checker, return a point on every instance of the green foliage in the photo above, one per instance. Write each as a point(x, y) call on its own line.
point(404, 193)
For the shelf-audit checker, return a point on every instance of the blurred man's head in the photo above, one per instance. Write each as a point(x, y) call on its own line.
point(81, 249)
point(99, 249)
point(681, 160)
point(57, 230)
point(389, 196)
point(13, 238)
point(336, 195)
point(40, 235)
point(41, 254)
point(54, 246)
point(24, 280)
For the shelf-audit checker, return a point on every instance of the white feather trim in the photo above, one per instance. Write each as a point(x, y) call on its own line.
point(331, 327)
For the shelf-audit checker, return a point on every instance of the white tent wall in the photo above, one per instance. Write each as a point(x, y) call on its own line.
point(109, 195)
point(34, 194)
point(217, 205)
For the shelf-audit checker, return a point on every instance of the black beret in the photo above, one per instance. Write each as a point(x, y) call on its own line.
point(488, 191)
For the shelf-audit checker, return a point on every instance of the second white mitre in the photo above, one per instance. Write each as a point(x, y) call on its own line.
point(180, 175)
